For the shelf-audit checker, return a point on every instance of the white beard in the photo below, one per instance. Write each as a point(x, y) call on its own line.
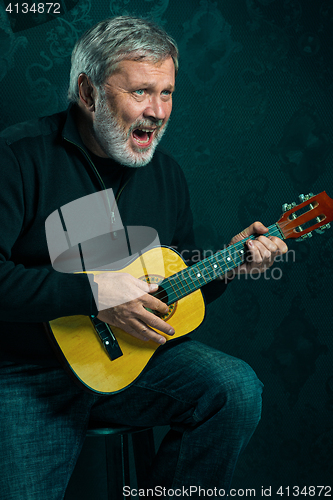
point(113, 139)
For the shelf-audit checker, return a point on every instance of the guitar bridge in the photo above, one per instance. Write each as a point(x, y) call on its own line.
point(107, 337)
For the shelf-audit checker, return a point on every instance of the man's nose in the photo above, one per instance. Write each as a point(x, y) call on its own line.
point(155, 109)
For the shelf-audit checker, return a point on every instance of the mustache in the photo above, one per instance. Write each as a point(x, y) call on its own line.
point(145, 123)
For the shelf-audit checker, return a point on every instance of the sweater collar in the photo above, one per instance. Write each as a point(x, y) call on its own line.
point(71, 134)
point(70, 131)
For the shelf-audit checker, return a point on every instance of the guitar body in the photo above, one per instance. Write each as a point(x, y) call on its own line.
point(83, 351)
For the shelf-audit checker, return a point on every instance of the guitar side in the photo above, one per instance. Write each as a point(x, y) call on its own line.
point(83, 352)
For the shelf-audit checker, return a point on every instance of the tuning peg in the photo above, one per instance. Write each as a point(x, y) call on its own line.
point(321, 229)
point(305, 197)
point(304, 236)
point(287, 206)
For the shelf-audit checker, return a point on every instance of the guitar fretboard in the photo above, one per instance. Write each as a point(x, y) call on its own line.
point(194, 277)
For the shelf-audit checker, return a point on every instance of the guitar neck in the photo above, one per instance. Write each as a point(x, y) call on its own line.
point(194, 277)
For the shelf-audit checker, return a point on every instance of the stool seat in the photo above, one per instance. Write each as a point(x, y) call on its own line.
point(118, 443)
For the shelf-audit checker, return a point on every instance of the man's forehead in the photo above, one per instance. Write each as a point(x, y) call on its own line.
point(145, 70)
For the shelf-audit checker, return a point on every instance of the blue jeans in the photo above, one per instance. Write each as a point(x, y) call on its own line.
point(212, 402)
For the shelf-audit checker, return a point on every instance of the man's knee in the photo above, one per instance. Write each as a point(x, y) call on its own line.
point(235, 389)
point(244, 392)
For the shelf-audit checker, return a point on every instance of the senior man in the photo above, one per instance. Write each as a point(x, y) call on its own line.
point(121, 85)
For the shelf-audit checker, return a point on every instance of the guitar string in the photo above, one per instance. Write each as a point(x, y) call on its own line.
point(210, 274)
point(212, 259)
point(273, 230)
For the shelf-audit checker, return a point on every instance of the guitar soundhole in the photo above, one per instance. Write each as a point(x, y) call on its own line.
point(161, 294)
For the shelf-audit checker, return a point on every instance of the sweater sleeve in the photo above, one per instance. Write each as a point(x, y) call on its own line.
point(31, 294)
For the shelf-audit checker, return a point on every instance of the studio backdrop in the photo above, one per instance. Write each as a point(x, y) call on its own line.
point(252, 129)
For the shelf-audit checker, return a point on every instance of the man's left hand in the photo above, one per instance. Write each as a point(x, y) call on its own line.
point(261, 251)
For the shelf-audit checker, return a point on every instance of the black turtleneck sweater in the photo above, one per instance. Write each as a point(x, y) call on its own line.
point(44, 165)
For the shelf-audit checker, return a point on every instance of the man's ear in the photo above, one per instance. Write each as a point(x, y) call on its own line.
point(87, 92)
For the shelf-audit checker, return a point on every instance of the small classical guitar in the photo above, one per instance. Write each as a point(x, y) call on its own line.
point(105, 359)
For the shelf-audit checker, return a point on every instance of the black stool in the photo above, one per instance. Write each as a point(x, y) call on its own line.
point(117, 450)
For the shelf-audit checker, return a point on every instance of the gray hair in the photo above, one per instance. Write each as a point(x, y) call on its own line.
point(98, 51)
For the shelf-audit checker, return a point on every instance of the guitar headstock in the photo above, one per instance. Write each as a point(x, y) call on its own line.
point(314, 212)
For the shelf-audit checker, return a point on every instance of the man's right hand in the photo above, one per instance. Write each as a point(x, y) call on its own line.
point(123, 301)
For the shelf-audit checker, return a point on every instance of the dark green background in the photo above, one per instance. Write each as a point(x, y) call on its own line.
point(252, 128)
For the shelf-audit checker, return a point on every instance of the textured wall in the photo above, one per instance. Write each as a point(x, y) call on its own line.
point(252, 128)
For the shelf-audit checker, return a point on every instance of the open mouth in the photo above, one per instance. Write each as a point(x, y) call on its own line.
point(143, 137)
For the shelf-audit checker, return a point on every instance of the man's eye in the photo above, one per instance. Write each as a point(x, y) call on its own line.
point(166, 95)
point(139, 92)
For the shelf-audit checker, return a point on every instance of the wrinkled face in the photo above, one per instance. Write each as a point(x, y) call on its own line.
point(131, 117)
